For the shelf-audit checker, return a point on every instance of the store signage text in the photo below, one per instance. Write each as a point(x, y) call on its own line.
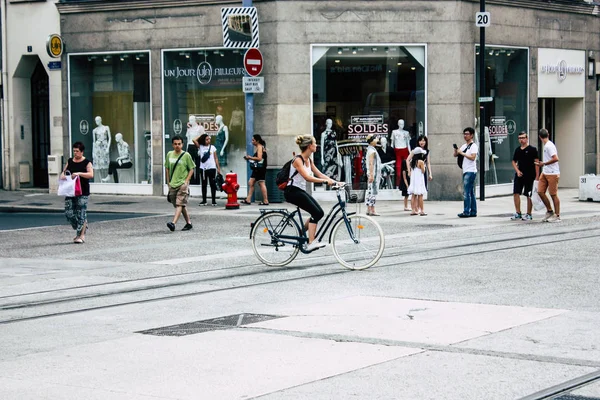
point(357, 68)
point(365, 124)
point(204, 72)
point(562, 69)
point(498, 129)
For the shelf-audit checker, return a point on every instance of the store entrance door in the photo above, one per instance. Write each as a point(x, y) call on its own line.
point(564, 119)
point(40, 125)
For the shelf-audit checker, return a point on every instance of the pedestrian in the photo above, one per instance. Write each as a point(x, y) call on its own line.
point(524, 162)
point(549, 178)
point(209, 167)
point(76, 207)
point(404, 184)
point(304, 170)
point(373, 163)
point(258, 165)
point(468, 152)
point(417, 190)
point(179, 168)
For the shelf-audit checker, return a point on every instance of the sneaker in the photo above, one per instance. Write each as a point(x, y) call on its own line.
point(187, 227)
point(214, 204)
point(554, 218)
point(516, 216)
point(314, 246)
point(547, 216)
point(202, 203)
point(461, 215)
point(171, 226)
point(527, 217)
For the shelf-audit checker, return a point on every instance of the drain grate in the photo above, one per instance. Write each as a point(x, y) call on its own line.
point(117, 203)
point(207, 325)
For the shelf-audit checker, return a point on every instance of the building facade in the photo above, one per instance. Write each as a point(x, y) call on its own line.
point(337, 70)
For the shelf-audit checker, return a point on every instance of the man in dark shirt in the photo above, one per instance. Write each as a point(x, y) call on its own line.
point(526, 172)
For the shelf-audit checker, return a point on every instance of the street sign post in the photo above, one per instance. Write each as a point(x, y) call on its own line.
point(254, 84)
point(483, 19)
point(253, 62)
point(486, 99)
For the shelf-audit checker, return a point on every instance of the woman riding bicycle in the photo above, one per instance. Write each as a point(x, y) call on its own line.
point(301, 171)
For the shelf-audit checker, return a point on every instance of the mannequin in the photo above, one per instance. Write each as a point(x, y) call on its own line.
point(330, 156)
point(122, 162)
point(401, 145)
point(388, 159)
point(194, 130)
point(236, 123)
point(222, 140)
point(101, 148)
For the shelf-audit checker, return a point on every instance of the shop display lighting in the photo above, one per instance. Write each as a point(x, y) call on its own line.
point(354, 50)
point(413, 68)
point(399, 63)
point(373, 49)
point(591, 65)
point(337, 61)
point(339, 50)
point(387, 49)
point(92, 58)
point(491, 52)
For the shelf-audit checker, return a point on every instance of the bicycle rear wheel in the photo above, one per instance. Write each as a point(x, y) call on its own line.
point(359, 244)
point(267, 246)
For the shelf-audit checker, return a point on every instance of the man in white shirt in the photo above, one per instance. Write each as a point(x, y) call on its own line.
point(469, 152)
point(549, 178)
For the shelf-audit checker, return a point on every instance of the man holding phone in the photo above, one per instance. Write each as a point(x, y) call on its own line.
point(469, 152)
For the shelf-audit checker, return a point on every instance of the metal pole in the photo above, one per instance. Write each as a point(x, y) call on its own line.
point(249, 116)
point(482, 149)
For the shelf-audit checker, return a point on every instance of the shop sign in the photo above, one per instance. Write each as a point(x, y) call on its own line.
point(356, 69)
point(208, 122)
point(177, 126)
point(205, 73)
point(84, 127)
point(511, 126)
point(362, 125)
point(54, 46)
point(498, 129)
point(562, 69)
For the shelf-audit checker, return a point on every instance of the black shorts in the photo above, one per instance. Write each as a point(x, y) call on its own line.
point(523, 185)
point(259, 174)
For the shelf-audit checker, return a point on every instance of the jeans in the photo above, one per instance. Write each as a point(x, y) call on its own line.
point(470, 207)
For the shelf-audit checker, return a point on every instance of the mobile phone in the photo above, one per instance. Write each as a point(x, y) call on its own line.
point(455, 146)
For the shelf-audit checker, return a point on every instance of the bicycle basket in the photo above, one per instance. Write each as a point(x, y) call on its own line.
point(354, 196)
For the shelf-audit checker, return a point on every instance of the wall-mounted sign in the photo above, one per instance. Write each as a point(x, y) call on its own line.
point(240, 27)
point(84, 127)
point(54, 65)
point(561, 73)
point(205, 73)
point(54, 46)
point(177, 127)
point(562, 69)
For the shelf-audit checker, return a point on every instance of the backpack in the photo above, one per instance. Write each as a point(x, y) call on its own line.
point(283, 176)
point(460, 157)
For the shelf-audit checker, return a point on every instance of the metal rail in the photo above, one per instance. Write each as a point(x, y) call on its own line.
point(565, 387)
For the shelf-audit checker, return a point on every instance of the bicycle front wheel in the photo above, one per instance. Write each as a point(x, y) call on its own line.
point(358, 244)
point(266, 242)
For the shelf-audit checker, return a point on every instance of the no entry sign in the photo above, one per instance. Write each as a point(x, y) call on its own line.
point(253, 62)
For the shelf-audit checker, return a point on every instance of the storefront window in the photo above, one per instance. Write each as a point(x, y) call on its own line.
point(203, 92)
point(363, 89)
point(110, 114)
point(506, 82)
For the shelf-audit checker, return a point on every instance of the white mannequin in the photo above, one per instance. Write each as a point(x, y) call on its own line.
point(330, 167)
point(401, 145)
point(222, 139)
point(123, 161)
point(101, 148)
point(400, 137)
point(193, 130)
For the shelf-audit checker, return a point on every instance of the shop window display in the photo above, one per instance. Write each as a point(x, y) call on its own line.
point(203, 88)
point(506, 82)
point(359, 90)
point(110, 114)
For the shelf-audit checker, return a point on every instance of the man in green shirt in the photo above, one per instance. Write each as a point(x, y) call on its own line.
point(179, 168)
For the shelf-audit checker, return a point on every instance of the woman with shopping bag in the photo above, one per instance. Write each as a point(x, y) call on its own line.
point(77, 170)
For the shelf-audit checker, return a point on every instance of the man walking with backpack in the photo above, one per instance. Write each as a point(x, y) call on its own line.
point(467, 154)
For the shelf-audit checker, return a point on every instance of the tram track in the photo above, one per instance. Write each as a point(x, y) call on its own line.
point(389, 255)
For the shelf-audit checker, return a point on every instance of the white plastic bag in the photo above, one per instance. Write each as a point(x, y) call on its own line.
point(538, 204)
point(66, 187)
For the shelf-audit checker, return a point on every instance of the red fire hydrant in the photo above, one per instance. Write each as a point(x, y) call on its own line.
point(231, 187)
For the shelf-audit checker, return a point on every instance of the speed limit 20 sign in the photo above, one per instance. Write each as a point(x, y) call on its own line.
point(482, 19)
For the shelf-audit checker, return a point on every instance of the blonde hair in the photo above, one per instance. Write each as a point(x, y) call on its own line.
point(303, 141)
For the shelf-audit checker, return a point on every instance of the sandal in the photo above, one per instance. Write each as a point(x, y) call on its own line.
point(423, 214)
point(245, 202)
point(263, 204)
point(78, 241)
point(414, 213)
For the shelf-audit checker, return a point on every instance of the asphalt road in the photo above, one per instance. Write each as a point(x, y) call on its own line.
point(21, 220)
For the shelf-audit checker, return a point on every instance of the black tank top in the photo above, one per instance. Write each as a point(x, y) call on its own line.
point(80, 166)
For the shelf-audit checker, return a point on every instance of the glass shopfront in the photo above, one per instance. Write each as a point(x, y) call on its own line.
point(109, 96)
point(363, 89)
point(506, 82)
point(203, 93)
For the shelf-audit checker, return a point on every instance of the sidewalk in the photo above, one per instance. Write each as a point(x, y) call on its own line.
point(495, 208)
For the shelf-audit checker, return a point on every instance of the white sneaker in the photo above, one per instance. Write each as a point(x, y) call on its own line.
point(314, 246)
point(554, 218)
point(547, 216)
point(105, 179)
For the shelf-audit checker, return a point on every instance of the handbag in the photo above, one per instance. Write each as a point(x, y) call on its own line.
point(538, 204)
point(66, 187)
point(171, 174)
point(219, 181)
point(206, 155)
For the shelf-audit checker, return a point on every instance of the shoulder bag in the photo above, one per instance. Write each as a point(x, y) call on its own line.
point(171, 174)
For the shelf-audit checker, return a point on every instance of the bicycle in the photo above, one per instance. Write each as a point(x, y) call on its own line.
point(356, 239)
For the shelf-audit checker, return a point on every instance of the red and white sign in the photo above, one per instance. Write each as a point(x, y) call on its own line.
point(253, 62)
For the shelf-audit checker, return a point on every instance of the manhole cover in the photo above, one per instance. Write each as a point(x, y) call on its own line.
point(207, 325)
point(117, 203)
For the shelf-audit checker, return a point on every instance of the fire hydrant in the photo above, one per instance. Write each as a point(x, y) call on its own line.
point(231, 187)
